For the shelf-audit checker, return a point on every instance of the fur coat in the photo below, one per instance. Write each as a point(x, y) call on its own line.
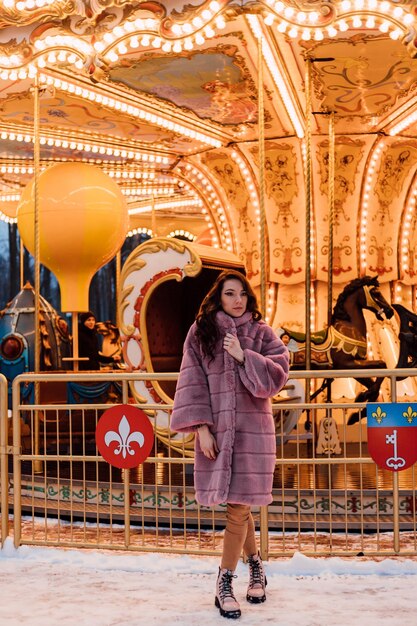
point(234, 401)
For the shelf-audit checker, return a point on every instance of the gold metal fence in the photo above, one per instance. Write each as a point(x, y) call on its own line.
point(4, 504)
point(329, 497)
point(65, 494)
point(334, 500)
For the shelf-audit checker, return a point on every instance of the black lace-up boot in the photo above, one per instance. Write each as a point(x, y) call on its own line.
point(225, 598)
point(257, 580)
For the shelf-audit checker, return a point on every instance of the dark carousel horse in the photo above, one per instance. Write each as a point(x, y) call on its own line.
point(407, 336)
point(343, 344)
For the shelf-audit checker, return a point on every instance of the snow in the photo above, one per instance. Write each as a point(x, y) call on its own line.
point(54, 586)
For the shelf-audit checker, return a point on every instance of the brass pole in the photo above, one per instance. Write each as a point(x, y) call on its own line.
point(4, 480)
point(331, 174)
point(36, 162)
point(308, 184)
point(264, 535)
point(261, 143)
point(36, 159)
point(75, 351)
point(396, 511)
point(22, 263)
point(117, 286)
point(153, 215)
point(395, 487)
point(126, 477)
point(126, 493)
point(17, 467)
point(75, 358)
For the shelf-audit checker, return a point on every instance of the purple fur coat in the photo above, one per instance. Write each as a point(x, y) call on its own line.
point(234, 401)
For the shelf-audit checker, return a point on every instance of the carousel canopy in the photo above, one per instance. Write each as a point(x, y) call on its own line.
point(164, 97)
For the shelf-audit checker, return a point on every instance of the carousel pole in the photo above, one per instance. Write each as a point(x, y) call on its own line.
point(263, 512)
point(21, 263)
point(308, 210)
point(75, 343)
point(331, 217)
point(328, 438)
point(117, 285)
point(153, 215)
point(261, 143)
point(36, 161)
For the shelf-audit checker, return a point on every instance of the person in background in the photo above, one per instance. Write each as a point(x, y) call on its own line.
point(285, 338)
point(88, 344)
point(232, 364)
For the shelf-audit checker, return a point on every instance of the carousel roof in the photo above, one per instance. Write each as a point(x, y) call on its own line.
point(164, 96)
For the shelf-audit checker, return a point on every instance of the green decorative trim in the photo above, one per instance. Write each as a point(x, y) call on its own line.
point(304, 504)
point(339, 505)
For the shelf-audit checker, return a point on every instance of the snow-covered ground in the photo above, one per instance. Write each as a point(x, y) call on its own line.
point(58, 587)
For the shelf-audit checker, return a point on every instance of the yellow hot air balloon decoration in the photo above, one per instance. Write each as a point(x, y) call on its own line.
point(83, 221)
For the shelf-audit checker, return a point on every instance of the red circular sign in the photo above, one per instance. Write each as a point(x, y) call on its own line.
point(124, 436)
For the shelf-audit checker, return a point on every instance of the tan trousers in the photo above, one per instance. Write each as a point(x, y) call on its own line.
point(239, 534)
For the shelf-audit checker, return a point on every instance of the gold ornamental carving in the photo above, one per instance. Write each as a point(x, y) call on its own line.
point(348, 155)
point(280, 180)
point(248, 255)
point(85, 12)
point(338, 83)
point(380, 248)
point(231, 180)
point(341, 249)
point(396, 163)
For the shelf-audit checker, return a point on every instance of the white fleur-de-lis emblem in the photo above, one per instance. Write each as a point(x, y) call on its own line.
point(124, 438)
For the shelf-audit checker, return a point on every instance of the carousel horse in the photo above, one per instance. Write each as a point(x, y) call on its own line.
point(112, 345)
point(407, 336)
point(343, 344)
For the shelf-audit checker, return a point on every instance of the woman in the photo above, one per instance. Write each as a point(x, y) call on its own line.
point(88, 345)
point(232, 364)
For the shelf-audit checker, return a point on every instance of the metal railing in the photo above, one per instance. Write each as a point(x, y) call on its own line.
point(4, 503)
point(329, 498)
point(362, 508)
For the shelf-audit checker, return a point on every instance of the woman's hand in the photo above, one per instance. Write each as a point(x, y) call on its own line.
point(232, 345)
point(208, 443)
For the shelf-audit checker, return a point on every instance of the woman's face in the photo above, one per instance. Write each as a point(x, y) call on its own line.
point(90, 322)
point(234, 299)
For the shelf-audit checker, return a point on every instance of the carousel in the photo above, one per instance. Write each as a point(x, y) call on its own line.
point(275, 137)
point(282, 132)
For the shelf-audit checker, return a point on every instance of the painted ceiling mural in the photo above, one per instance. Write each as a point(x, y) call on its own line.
point(210, 84)
point(363, 79)
point(164, 96)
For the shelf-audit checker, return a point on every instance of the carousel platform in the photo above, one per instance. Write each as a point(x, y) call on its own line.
point(305, 498)
point(303, 510)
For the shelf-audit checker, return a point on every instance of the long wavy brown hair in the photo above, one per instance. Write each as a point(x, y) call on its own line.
point(207, 330)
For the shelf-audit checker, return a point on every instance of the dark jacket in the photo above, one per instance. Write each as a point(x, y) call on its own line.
point(88, 346)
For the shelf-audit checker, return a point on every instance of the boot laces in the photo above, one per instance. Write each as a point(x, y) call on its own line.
point(225, 586)
point(256, 572)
